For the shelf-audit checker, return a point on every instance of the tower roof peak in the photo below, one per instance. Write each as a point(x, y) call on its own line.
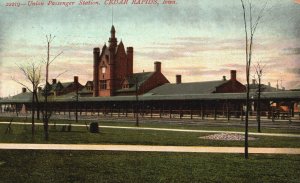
point(113, 29)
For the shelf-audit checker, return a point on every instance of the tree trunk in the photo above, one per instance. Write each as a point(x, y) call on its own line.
point(258, 105)
point(32, 114)
point(247, 118)
point(46, 113)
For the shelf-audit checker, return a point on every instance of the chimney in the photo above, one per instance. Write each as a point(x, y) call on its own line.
point(96, 53)
point(23, 90)
point(178, 79)
point(233, 75)
point(157, 66)
point(224, 78)
point(75, 79)
point(129, 61)
point(53, 81)
point(253, 81)
point(269, 84)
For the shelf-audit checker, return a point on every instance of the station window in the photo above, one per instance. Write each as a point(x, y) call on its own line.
point(103, 84)
point(103, 69)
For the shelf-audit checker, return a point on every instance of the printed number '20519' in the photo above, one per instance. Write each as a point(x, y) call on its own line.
point(15, 4)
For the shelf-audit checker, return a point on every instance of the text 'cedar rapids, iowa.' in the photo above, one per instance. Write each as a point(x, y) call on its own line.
point(88, 2)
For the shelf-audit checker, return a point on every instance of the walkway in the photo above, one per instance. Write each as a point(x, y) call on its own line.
point(146, 148)
point(170, 129)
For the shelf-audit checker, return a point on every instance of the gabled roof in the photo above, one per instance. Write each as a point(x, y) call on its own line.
point(56, 87)
point(141, 77)
point(84, 89)
point(103, 51)
point(120, 46)
point(23, 97)
point(66, 84)
point(89, 83)
point(187, 88)
point(59, 86)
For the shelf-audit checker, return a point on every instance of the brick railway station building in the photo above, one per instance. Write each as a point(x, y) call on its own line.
point(116, 90)
point(113, 71)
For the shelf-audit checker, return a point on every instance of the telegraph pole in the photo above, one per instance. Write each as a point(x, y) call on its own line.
point(76, 106)
point(137, 102)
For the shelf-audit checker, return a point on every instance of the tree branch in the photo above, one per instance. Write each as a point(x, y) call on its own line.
point(55, 57)
point(61, 74)
point(259, 17)
point(17, 81)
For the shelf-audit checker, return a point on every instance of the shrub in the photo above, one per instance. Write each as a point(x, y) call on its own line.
point(94, 127)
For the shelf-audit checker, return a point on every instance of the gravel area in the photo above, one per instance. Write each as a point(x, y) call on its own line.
point(227, 137)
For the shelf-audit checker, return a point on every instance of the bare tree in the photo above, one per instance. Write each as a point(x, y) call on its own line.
point(32, 73)
point(259, 73)
point(250, 27)
point(47, 113)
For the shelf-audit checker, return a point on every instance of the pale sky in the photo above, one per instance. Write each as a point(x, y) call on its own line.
point(199, 39)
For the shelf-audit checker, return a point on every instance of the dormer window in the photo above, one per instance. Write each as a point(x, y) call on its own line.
point(125, 86)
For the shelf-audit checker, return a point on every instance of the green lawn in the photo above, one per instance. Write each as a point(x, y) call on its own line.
point(151, 124)
point(79, 135)
point(109, 166)
point(92, 166)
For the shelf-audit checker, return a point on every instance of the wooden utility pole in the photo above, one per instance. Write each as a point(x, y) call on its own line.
point(76, 106)
point(250, 27)
point(137, 102)
point(47, 113)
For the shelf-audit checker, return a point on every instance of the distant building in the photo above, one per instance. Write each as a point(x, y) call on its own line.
point(113, 71)
point(87, 90)
point(57, 88)
point(264, 88)
point(219, 86)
